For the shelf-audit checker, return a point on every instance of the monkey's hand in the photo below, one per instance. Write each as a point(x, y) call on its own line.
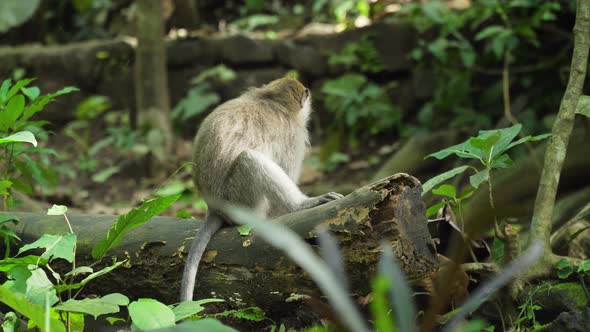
point(319, 200)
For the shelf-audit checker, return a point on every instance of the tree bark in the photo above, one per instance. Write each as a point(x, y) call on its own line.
point(243, 270)
point(151, 81)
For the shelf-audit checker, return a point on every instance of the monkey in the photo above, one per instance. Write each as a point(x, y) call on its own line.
point(249, 152)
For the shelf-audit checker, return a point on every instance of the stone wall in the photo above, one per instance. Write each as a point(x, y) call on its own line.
point(106, 67)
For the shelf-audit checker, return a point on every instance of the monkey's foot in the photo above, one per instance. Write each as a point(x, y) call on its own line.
point(319, 200)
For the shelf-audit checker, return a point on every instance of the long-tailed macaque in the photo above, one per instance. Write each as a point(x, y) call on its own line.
point(249, 152)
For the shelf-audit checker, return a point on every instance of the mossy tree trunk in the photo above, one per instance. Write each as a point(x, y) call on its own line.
point(151, 81)
point(244, 270)
point(557, 146)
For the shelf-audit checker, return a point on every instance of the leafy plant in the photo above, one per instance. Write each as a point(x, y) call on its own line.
point(358, 104)
point(91, 18)
point(489, 148)
point(527, 315)
point(30, 291)
point(134, 218)
point(449, 194)
point(464, 43)
point(201, 97)
point(361, 54)
point(343, 12)
point(8, 236)
point(19, 102)
point(80, 129)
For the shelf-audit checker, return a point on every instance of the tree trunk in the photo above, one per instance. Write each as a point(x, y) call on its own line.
point(243, 269)
point(151, 82)
point(562, 128)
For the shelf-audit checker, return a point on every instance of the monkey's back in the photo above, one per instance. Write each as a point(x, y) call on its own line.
point(247, 122)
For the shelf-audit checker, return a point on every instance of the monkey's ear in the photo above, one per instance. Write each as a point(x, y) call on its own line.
point(306, 93)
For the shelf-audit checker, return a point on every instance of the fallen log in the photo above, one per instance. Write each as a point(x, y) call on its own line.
point(244, 270)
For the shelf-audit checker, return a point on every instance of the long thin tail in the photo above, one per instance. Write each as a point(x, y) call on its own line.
point(212, 224)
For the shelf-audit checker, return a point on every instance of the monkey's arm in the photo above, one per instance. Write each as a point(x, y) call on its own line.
point(257, 174)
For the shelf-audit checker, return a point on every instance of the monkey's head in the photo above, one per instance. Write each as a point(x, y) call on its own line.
point(290, 93)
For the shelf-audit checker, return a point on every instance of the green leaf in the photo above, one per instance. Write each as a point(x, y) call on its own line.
point(4, 186)
point(34, 107)
point(108, 304)
point(56, 246)
point(446, 190)
point(16, 12)
point(135, 217)
point(506, 136)
point(483, 146)
point(9, 263)
point(584, 266)
point(502, 42)
point(33, 312)
point(4, 90)
point(583, 106)
point(116, 298)
point(525, 139)
point(6, 232)
point(468, 56)
point(149, 314)
point(40, 289)
point(31, 168)
point(433, 209)
point(105, 174)
point(80, 270)
point(564, 269)
point(434, 10)
point(89, 278)
point(14, 108)
point(479, 178)
point(63, 91)
point(462, 150)
point(32, 92)
point(503, 161)
point(18, 85)
point(57, 210)
point(492, 30)
point(38, 150)
point(190, 308)
point(250, 313)
point(497, 250)
point(197, 100)
point(184, 214)
point(11, 322)
point(173, 188)
point(380, 305)
point(21, 136)
point(565, 272)
point(428, 185)
point(17, 279)
point(244, 230)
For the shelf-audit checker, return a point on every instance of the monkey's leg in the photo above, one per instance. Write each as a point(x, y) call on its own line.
point(212, 224)
point(258, 175)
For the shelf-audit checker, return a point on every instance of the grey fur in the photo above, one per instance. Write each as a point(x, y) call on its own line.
point(249, 152)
